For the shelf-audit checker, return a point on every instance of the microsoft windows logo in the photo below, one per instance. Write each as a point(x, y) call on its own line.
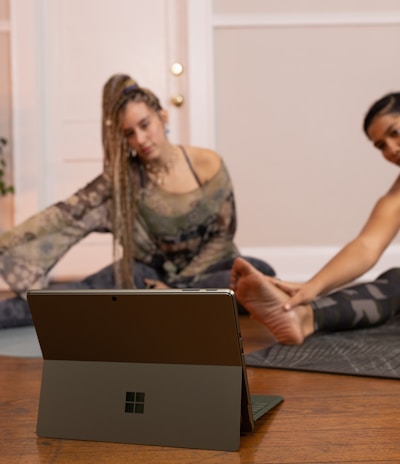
point(134, 402)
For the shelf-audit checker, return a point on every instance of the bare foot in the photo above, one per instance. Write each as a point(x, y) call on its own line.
point(264, 302)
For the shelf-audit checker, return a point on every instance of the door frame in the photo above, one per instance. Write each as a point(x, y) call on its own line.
point(28, 119)
point(201, 71)
point(28, 75)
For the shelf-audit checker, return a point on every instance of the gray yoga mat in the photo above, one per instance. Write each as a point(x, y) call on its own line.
point(19, 342)
point(373, 352)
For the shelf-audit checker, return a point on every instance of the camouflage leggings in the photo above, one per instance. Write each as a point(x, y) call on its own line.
point(359, 306)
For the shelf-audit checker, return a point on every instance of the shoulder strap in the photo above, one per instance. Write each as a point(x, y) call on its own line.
point(190, 165)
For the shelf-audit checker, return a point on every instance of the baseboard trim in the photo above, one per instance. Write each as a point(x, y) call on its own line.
point(298, 264)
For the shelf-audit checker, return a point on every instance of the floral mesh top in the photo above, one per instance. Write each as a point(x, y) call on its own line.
point(180, 234)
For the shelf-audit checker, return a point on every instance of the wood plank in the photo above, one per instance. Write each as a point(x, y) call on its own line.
point(325, 418)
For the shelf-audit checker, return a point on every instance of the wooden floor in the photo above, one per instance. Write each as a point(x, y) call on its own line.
point(324, 419)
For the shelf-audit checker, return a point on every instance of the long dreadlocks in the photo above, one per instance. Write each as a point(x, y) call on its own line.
point(118, 165)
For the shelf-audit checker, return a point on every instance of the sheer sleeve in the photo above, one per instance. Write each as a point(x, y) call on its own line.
point(31, 249)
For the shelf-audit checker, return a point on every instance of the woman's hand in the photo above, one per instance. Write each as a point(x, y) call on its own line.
point(290, 288)
point(299, 294)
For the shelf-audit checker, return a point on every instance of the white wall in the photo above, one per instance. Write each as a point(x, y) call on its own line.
point(292, 82)
point(279, 88)
point(6, 203)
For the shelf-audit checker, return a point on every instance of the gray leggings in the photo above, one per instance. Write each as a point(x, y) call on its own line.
point(15, 311)
point(359, 306)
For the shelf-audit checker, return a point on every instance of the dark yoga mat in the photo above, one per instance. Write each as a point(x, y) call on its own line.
point(373, 352)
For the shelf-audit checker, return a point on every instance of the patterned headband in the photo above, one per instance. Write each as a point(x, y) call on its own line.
point(130, 88)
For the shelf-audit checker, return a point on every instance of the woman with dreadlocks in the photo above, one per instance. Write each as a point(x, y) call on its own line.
point(170, 209)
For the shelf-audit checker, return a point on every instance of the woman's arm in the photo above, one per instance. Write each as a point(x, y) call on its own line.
point(359, 255)
point(31, 249)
